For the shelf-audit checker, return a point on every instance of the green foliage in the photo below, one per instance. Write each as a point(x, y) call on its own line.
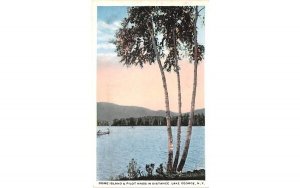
point(176, 25)
point(149, 169)
point(102, 123)
point(133, 40)
point(199, 120)
point(133, 170)
point(160, 170)
point(135, 173)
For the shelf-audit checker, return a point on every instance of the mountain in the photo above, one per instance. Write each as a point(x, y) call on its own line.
point(109, 111)
point(200, 111)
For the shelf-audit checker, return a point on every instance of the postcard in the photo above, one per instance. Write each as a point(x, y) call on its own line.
point(150, 129)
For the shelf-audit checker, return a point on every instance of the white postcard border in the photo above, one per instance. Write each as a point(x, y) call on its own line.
point(123, 184)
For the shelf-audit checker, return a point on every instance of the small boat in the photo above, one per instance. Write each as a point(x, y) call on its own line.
point(103, 132)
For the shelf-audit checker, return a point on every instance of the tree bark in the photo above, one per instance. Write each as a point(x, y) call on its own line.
point(191, 117)
point(179, 110)
point(168, 117)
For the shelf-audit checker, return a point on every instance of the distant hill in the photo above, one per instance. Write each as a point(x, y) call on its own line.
point(109, 111)
point(200, 111)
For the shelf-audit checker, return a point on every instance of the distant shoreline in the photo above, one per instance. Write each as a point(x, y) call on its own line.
point(199, 120)
point(109, 112)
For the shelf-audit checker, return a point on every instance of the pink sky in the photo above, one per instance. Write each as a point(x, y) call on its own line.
point(134, 86)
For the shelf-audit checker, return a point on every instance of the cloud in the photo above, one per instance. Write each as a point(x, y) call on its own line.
point(107, 55)
point(105, 26)
point(106, 46)
point(104, 37)
point(105, 33)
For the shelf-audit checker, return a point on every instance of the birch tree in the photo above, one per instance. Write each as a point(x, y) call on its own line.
point(137, 44)
point(196, 56)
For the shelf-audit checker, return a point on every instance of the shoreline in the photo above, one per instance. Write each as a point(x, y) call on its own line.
point(189, 175)
point(146, 125)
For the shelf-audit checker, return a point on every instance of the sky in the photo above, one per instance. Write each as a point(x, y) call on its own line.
point(134, 86)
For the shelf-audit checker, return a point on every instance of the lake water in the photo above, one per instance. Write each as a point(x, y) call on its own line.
point(146, 145)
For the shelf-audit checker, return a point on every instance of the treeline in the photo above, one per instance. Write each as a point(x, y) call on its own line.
point(102, 123)
point(158, 121)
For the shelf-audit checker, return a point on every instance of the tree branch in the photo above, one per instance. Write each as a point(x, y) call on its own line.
point(200, 10)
